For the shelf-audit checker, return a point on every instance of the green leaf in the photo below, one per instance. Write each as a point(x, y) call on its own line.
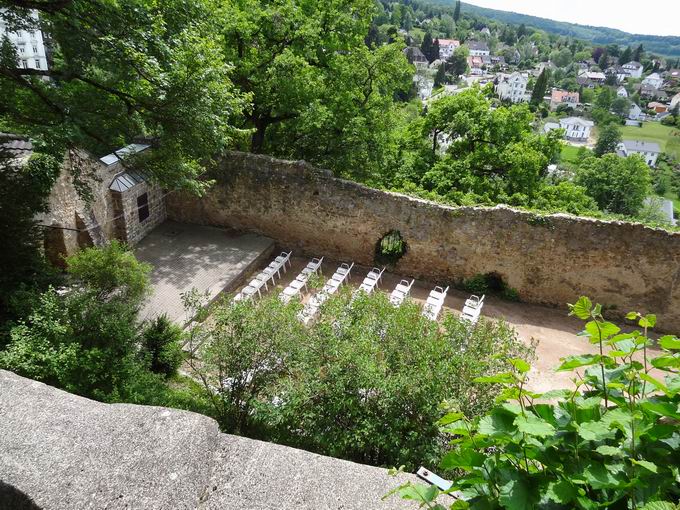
point(631, 316)
point(515, 495)
point(601, 330)
point(659, 505)
point(512, 407)
point(610, 451)
point(561, 492)
point(449, 418)
point(655, 382)
point(599, 477)
point(419, 492)
point(521, 365)
point(667, 361)
point(582, 360)
point(667, 409)
point(465, 458)
point(594, 430)
point(650, 466)
point(673, 384)
point(496, 424)
point(669, 342)
point(581, 308)
point(648, 321)
point(534, 426)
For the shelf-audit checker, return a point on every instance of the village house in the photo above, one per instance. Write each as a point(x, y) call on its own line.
point(634, 69)
point(558, 97)
point(621, 91)
point(29, 44)
point(657, 107)
point(646, 90)
point(653, 80)
point(648, 150)
point(619, 72)
point(485, 31)
point(416, 57)
point(576, 129)
point(478, 49)
point(590, 78)
point(476, 63)
point(635, 112)
point(447, 47)
point(675, 101)
point(547, 66)
point(512, 87)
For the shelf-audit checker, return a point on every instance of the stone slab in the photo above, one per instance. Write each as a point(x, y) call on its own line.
point(62, 451)
point(192, 256)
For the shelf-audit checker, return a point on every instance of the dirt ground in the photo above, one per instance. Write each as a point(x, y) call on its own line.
point(552, 328)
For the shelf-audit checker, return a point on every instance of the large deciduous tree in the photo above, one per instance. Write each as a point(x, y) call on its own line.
point(317, 91)
point(121, 70)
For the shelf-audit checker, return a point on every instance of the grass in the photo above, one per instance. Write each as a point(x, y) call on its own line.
point(667, 137)
point(570, 153)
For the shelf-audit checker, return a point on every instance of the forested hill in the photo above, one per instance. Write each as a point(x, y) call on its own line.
point(668, 46)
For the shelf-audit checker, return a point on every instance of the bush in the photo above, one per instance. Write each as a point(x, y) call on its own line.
point(161, 346)
point(490, 283)
point(363, 383)
point(609, 442)
point(476, 285)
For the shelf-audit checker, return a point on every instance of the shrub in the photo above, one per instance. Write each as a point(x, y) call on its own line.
point(476, 285)
point(364, 382)
point(609, 442)
point(490, 283)
point(161, 346)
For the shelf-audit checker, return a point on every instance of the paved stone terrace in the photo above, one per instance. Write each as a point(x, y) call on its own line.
point(192, 256)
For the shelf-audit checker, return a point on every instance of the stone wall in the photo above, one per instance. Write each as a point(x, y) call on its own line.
point(130, 228)
point(550, 260)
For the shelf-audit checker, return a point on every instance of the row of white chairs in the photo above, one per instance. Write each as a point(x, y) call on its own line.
point(472, 309)
point(341, 274)
point(435, 302)
point(263, 278)
point(300, 281)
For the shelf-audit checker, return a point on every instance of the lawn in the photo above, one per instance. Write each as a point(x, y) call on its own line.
point(570, 153)
point(666, 136)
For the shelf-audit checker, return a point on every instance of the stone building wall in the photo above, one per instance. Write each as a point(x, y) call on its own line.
point(548, 259)
point(130, 228)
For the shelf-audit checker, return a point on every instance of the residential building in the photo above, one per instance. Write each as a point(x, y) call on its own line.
point(478, 49)
point(475, 63)
point(447, 47)
point(653, 80)
point(648, 150)
point(590, 78)
point(634, 69)
point(635, 112)
point(485, 31)
point(29, 44)
point(558, 97)
point(548, 66)
point(657, 107)
point(647, 90)
point(416, 57)
point(576, 128)
point(512, 87)
point(621, 91)
point(675, 101)
point(618, 71)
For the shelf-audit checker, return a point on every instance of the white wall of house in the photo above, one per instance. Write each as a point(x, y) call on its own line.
point(635, 71)
point(29, 45)
point(576, 129)
point(513, 88)
point(653, 80)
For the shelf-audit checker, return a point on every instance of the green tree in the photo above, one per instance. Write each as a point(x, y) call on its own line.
point(119, 71)
point(626, 56)
point(621, 107)
point(638, 53)
point(618, 185)
point(331, 387)
point(540, 87)
point(440, 77)
point(161, 346)
point(458, 61)
point(608, 140)
point(427, 45)
point(456, 12)
point(84, 339)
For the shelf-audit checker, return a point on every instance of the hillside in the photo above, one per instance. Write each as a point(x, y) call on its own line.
point(668, 46)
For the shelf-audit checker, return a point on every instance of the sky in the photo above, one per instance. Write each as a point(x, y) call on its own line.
point(654, 17)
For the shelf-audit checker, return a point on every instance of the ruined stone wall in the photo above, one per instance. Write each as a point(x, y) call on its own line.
point(550, 260)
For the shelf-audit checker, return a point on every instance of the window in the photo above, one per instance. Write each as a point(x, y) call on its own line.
point(35, 50)
point(143, 206)
point(22, 49)
point(37, 63)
